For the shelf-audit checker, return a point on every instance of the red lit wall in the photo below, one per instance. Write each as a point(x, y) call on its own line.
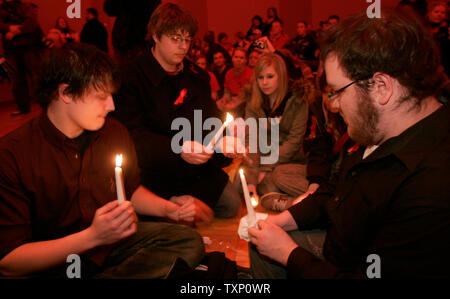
point(50, 10)
point(322, 9)
point(231, 16)
point(228, 16)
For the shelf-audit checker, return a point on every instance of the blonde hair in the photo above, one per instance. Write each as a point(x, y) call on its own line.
point(265, 61)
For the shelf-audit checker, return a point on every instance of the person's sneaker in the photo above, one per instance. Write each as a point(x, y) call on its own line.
point(276, 201)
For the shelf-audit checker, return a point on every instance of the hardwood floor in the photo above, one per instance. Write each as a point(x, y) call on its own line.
point(221, 234)
point(10, 123)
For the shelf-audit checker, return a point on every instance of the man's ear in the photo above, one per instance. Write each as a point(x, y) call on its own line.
point(63, 95)
point(155, 38)
point(383, 86)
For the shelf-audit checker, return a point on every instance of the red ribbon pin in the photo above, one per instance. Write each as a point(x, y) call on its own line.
point(181, 97)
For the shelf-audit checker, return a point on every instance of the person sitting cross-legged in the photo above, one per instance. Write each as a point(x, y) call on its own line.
point(388, 216)
point(58, 187)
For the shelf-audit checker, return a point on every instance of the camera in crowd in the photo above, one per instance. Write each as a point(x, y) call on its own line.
point(259, 45)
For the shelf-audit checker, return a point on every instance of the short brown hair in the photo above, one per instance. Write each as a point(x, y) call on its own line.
point(80, 66)
point(168, 18)
point(396, 44)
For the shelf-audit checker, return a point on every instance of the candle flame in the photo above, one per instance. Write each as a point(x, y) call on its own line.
point(119, 159)
point(254, 201)
point(241, 171)
point(230, 118)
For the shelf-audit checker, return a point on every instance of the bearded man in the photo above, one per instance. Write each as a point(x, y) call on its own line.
point(389, 216)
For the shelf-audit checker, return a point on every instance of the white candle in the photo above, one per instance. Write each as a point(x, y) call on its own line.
point(219, 133)
point(119, 180)
point(251, 213)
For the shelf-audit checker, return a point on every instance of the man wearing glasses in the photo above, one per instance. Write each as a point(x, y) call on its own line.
point(162, 86)
point(389, 215)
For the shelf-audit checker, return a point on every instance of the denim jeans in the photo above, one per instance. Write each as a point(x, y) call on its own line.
point(152, 251)
point(285, 178)
point(229, 202)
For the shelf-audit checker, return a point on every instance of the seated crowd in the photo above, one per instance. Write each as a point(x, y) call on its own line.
point(349, 152)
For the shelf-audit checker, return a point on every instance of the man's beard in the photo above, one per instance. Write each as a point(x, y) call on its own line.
point(365, 122)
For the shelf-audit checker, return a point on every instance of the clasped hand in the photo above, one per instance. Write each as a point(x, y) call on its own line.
point(190, 209)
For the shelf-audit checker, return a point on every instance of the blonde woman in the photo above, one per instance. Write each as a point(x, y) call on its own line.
point(274, 98)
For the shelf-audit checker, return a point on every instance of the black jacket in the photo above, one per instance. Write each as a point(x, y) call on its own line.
point(145, 104)
point(94, 33)
point(395, 203)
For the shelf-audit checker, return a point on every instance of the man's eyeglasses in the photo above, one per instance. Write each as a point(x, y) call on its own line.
point(178, 39)
point(332, 94)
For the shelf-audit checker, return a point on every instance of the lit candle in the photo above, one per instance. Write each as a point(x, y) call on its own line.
point(219, 133)
point(251, 213)
point(119, 179)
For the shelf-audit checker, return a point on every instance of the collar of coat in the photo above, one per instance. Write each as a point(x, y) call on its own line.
point(417, 141)
point(156, 73)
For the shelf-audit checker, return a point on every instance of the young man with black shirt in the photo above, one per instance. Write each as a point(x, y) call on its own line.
point(160, 87)
point(61, 199)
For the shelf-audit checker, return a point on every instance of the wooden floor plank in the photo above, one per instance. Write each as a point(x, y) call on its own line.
point(10, 123)
point(222, 235)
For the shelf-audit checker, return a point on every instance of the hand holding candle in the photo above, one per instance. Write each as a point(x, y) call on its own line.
point(219, 133)
point(121, 197)
point(251, 213)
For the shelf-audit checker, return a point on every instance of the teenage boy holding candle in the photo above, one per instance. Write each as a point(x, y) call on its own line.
point(62, 199)
point(159, 87)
